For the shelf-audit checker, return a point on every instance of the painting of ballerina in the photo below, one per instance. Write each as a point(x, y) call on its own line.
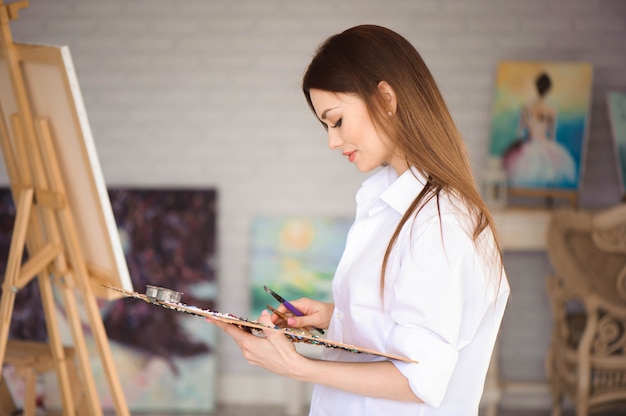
point(539, 123)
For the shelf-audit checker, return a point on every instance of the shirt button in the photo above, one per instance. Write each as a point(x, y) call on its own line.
point(338, 315)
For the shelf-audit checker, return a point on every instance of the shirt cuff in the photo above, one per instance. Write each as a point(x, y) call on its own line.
point(429, 378)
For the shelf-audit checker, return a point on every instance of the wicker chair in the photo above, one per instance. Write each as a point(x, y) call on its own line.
point(586, 362)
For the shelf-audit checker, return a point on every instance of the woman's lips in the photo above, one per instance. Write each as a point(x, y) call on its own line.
point(351, 155)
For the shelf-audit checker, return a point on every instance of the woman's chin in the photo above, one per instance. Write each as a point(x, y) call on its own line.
point(365, 167)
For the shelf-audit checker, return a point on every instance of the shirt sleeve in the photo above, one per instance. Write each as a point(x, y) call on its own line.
point(437, 300)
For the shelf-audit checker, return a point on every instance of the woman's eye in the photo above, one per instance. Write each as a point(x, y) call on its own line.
point(337, 124)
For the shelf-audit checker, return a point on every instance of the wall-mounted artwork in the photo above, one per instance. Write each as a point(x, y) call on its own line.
point(617, 115)
point(166, 361)
point(294, 256)
point(539, 125)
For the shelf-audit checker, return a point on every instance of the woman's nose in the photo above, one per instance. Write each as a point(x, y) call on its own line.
point(334, 141)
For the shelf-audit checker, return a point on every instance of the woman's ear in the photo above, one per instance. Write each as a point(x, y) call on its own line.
point(389, 96)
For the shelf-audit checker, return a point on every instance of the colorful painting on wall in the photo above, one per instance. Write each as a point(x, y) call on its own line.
point(166, 361)
point(294, 256)
point(617, 115)
point(540, 122)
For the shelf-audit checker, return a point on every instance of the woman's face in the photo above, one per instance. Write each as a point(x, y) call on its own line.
point(351, 129)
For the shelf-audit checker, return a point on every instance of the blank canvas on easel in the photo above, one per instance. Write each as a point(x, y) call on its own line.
point(54, 93)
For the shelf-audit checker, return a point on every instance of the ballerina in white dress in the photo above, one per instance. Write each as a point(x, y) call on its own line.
point(539, 160)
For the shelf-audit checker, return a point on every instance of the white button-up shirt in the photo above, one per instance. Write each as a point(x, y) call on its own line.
point(443, 304)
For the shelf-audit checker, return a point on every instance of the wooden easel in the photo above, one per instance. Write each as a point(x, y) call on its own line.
point(45, 225)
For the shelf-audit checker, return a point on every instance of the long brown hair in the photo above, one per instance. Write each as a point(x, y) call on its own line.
point(356, 61)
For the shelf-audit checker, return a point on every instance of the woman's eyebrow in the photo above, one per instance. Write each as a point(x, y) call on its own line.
point(323, 116)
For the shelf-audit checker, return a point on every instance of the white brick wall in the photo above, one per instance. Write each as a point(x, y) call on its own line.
point(206, 93)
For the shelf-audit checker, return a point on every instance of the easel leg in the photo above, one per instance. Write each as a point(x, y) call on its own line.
point(82, 281)
point(99, 334)
point(104, 349)
point(23, 207)
point(73, 316)
point(56, 346)
point(7, 406)
point(6, 311)
point(77, 386)
point(30, 393)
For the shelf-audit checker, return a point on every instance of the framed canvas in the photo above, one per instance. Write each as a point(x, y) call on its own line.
point(294, 256)
point(617, 116)
point(540, 124)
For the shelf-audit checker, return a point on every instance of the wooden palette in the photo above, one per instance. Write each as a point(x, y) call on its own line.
point(255, 327)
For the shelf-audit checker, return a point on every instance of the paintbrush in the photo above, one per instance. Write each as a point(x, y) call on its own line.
point(288, 305)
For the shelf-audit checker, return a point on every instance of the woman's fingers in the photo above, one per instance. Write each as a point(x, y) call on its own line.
point(230, 329)
point(274, 352)
point(266, 320)
point(278, 317)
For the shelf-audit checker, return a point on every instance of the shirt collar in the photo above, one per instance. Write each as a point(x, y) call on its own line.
point(397, 192)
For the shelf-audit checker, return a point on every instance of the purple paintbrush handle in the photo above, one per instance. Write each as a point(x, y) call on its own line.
point(292, 309)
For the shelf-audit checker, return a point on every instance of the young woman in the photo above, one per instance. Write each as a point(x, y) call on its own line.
point(421, 275)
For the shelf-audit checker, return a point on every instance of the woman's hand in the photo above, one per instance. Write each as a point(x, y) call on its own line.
point(316, 314)
point(274, 352)
point(277, 354)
